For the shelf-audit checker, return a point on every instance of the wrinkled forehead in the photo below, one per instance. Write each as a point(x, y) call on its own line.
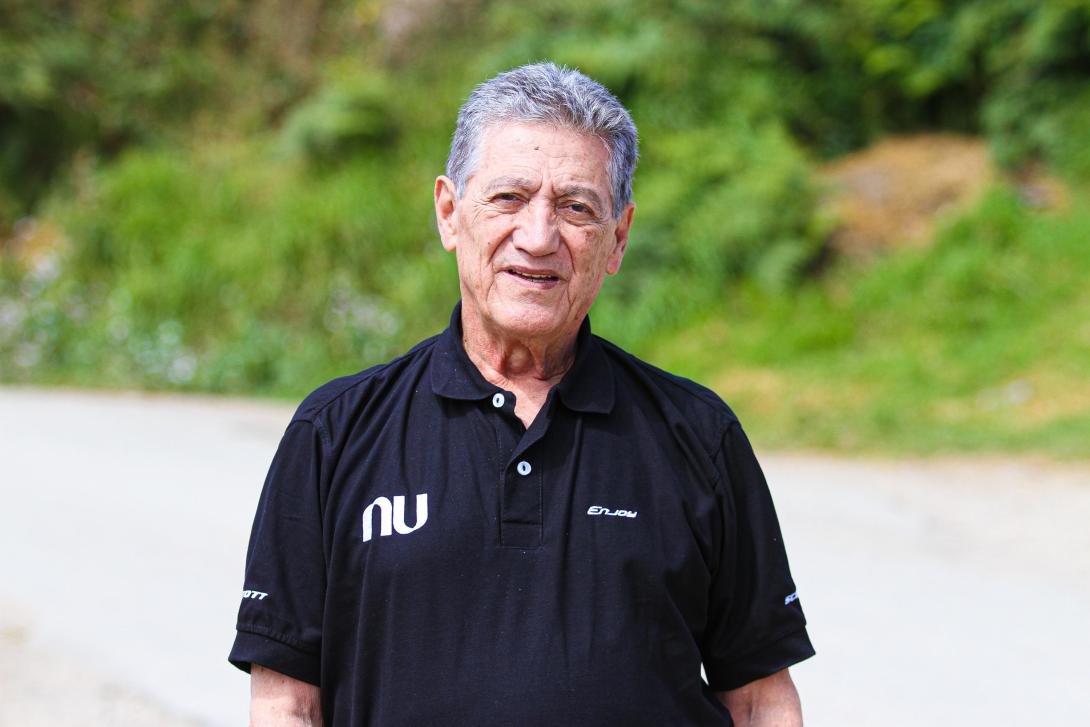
point(543, 147)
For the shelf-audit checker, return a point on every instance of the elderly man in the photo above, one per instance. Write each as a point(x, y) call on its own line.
point(517, 523)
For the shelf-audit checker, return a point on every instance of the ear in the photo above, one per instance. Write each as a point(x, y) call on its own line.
point(446, 202)
point(620, 239)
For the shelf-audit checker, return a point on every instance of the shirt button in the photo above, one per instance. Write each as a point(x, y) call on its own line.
point(497, 400)
point(523, 468)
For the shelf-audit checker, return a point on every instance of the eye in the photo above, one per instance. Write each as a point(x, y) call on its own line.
point(505, 197)
point(579, 210)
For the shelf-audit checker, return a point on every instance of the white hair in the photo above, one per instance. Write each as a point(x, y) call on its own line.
point(550, 94)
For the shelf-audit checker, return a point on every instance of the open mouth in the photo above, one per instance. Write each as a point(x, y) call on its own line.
point(534, 277)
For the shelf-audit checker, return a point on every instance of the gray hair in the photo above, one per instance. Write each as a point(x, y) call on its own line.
point(551, 94)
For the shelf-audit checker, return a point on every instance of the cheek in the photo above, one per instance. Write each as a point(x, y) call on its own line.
point(487, 238)
point(595, 256)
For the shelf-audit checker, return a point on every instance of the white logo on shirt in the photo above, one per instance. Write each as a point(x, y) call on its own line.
point(256, 595)
point(791, 599)
point(599, 510)
point(392, 516)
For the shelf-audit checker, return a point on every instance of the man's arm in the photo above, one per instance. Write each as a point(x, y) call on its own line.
point(277, 700)
point(769, 702)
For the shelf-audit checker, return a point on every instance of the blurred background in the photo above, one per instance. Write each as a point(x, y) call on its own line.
point(862, 222)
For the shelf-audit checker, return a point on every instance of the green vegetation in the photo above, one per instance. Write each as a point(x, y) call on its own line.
point(981, 342)
point(235, 197)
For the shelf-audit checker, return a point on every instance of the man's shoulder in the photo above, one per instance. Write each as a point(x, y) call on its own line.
point(346, 392)
point(695, 402)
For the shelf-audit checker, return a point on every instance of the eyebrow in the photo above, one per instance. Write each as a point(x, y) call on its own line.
point(507, 182)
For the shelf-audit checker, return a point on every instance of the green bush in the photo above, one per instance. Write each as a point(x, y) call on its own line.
point(977, 342)
point(233, 266)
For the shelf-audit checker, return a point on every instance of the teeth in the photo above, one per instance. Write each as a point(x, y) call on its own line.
point(533, 277)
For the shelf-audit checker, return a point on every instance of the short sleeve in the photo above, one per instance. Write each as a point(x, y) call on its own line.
point(280, 618)
point(756, 626)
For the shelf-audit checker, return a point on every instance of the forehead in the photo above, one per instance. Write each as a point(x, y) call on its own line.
point(533, 150)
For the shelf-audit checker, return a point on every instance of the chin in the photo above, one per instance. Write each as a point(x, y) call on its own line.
point(529, 321)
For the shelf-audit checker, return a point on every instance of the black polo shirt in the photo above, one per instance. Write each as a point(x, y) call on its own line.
point(427, 560)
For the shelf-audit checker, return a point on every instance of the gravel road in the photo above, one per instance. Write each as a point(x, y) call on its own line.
point(939, 592)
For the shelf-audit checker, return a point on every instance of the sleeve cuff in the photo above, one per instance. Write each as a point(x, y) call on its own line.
point(788, 650)
point(250, 648)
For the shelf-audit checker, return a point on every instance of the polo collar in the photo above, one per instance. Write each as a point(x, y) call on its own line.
point(587, 386)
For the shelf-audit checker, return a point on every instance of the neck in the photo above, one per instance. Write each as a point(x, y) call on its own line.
point(527, 366)
point(505, 359)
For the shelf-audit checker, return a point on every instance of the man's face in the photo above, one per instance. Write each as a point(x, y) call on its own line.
point(534, 233)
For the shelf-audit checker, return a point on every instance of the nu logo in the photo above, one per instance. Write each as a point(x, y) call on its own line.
point(393, 514)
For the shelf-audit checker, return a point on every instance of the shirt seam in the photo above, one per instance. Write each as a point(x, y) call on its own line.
point(365, 377)
point(327, 444)
point(718, 457)
point(688, 386)
point(771, 641)
point(268, 633)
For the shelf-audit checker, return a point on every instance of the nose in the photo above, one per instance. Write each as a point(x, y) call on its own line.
point(537, 232)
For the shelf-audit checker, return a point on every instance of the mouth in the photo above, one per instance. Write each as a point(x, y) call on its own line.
point(535, 278)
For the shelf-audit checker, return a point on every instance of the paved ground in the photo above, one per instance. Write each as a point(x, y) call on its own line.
point(950, 592)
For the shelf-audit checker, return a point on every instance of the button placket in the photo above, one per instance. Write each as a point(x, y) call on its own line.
point(521, 519)
point(521, 522)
